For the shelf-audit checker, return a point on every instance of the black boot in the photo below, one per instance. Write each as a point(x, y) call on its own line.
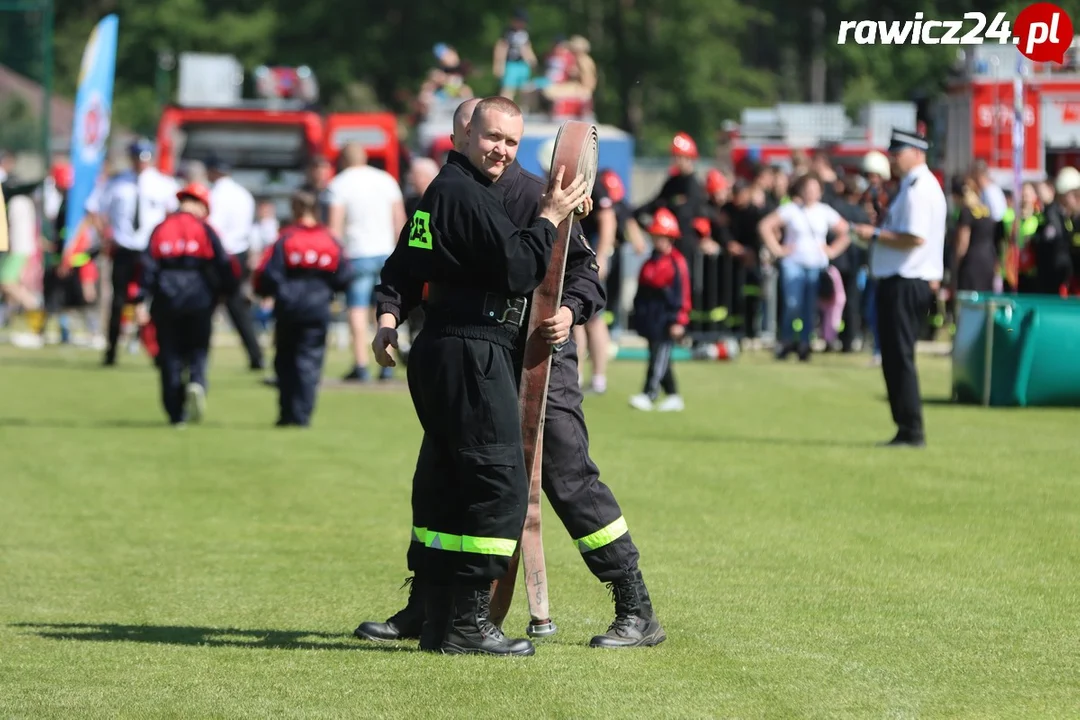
point(402, 625)
point(635, 623)
point(438, 604)
point(471, 632)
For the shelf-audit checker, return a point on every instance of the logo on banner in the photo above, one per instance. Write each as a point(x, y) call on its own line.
point(92, 129)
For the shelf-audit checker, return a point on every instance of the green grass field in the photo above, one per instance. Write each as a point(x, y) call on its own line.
point(799, 571)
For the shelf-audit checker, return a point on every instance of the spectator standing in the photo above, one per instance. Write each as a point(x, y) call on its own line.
point(367, 212)
point(991, 194)
point(514, 58)
point(129, 207)
point(232, 215)
point(797, 234)
point(974, 254)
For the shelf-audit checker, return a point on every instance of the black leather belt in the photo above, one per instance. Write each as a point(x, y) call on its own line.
point(468, 304)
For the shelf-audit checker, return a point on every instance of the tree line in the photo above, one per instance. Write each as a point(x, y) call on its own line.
point(665, 65)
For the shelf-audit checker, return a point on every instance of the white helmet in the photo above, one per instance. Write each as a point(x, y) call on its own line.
point(545, 155)
point(876, 162)
point(1068, 179)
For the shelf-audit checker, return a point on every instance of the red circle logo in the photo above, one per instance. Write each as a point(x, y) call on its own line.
point(1043, 32)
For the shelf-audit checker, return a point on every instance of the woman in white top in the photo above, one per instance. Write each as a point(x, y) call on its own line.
point(797, 233)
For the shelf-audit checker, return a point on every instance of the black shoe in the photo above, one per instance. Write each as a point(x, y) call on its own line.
point(402, 625)
point(110, 359)
point(471, 632)
point(357, 374)
point(905, 440)
point(636, 625)
point(784, 350)
point(804, 352)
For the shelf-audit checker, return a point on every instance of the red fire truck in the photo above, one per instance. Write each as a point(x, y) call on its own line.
point(979, 113)
point(772, 135)
point(268, 142)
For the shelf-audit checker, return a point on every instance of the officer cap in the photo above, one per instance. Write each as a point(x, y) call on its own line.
point(907, 139)
point(141, 148)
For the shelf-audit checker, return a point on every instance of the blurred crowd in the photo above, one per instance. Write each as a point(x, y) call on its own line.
point(752, 245)
point(560, 84)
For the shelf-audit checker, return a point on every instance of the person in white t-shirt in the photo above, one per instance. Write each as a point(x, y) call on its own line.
point(367, 213)
point(797, 233)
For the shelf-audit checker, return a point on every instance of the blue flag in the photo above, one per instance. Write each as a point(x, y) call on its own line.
point(93, 113)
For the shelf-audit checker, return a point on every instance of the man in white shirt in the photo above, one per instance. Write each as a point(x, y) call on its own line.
point(367, 212)
point(130, 206)
point(232, 215)
point(907, 256)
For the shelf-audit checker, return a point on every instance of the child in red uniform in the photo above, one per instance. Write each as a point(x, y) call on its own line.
point(662, 312)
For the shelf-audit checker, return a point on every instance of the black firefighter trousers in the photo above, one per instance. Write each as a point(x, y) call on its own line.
point(470, 488)
point(300, 348)
point(184, 345)
point(570, 479)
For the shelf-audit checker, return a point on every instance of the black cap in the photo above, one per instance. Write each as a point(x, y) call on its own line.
point(906, 138)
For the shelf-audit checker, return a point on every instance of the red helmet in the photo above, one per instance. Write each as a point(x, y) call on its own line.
point(684, 146)
point(703, 226)
point(195, 191)
point(614, 186)
point(715, 181)
point(63, 176)
point(665, 224)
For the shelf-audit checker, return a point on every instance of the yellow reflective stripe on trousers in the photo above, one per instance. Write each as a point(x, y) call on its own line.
point(419, 535)
point(487, 545)
point(469, 544)
point(603, 536)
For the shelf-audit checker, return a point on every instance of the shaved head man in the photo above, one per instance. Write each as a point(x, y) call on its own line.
point(462, 118)
point(494, 135)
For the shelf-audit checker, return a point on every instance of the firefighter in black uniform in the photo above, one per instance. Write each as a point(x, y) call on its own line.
point(470, 486)
point(1058, 235)
point(682, 194)
point(183, 272)
point(301, 272)
point(570, 478)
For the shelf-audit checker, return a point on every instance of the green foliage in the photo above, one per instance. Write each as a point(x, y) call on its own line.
point(20, 125)
point(665, 65)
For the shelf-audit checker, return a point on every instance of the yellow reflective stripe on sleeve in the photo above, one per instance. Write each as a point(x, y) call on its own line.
point(487, 545)
point(603, 536)
point(469, 544)
point(419, 535)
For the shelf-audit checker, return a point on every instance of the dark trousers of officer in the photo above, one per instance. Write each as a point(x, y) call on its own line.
point(470, 488)
point(239, 309)
point(184, 345)
point(125, 263)
point(660, 375)
point(298, 363)
point(902, 307)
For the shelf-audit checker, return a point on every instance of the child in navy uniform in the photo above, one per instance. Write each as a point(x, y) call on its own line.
point(183, 271)
point(301, 272)
point(662, 312)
